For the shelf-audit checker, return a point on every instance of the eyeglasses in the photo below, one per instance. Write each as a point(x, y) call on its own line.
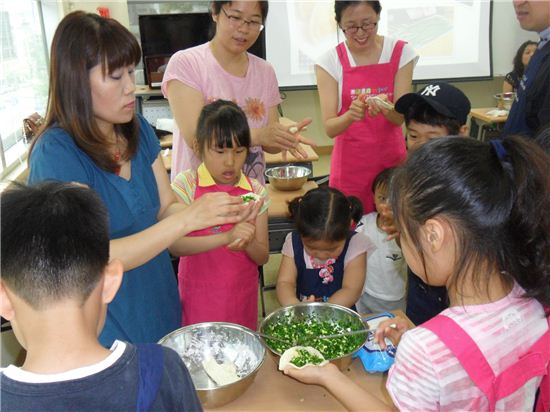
point(236, 22)
point(354, 29)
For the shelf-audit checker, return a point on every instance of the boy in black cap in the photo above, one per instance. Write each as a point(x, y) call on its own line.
point(437, 110)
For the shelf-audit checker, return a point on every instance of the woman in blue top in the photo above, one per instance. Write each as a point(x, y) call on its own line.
point(92, 136)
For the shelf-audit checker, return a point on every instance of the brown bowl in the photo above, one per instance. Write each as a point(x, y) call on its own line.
point(287, 178)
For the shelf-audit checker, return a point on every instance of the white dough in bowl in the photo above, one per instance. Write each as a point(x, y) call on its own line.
point(223, 373)
point(291, 353)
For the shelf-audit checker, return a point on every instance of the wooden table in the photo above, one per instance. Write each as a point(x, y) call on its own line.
point(483, 125)
point(274, 391)
point(277, 158)
point(279, 199)
point(143, 93)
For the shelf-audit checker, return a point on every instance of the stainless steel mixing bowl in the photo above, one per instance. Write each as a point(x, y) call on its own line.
point(287, 177)
point(224, 342)
point(323, 312)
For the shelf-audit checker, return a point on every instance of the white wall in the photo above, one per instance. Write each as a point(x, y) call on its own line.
point(507, 36)
point(118, 8)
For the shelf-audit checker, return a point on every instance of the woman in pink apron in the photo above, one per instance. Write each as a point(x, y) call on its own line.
point(218, 279)
point(364, 66)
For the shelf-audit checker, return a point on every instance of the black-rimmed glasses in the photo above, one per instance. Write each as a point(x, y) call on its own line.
point(237, 22)
point(354, 29)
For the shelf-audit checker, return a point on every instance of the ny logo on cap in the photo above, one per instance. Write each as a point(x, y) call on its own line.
point(430, 90)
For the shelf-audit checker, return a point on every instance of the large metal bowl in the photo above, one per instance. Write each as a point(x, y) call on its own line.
point(287, 178)
point(224, 342)
point(505, 100)
point(323, 312)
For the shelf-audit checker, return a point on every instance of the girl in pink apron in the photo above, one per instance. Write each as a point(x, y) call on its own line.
point(218, 279)
point(365, 144)
point(474, 218)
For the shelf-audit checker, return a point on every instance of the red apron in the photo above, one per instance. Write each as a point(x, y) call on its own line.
point(218, 285)
point(373, 144)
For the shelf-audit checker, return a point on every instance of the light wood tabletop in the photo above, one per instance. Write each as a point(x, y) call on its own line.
point(481, 114)
point(274, 391)
point(279, 199)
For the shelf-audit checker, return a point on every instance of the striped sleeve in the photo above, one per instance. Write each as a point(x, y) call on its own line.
point(413, 383)
point(261, 191)
point(184, 185)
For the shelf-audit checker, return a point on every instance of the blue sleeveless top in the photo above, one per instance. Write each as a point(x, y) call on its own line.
point(308, 281)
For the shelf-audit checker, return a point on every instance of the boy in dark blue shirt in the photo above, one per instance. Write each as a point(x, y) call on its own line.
point(56, 283)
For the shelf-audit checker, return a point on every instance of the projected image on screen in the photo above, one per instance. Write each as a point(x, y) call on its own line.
point(428, 28)
point(451, 37)
point(312, 39)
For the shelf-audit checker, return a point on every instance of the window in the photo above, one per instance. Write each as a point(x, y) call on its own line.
point(23, 76)
point(6, 41)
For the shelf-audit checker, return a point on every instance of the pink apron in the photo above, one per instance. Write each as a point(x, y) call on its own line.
point(219, 285)
point(535, 362)
point(373, 144)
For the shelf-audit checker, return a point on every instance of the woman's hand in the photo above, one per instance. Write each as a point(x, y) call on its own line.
point(313, 375)
point(374, 108)
point(286, 138)
point(215, 209)
point(392, 329)
point(356, 111)
point(241, 235)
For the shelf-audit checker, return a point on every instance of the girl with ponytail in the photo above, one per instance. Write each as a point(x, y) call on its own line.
point(473, 217)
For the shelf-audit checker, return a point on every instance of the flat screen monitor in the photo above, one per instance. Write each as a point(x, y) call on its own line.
point(164, 34)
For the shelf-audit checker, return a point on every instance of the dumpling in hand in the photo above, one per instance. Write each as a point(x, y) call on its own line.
point(301, 356)
point(250, 197)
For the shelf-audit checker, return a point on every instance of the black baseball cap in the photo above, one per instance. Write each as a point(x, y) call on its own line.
point(445, 99)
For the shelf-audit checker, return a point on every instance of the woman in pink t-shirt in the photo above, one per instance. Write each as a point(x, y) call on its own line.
point(223, 69)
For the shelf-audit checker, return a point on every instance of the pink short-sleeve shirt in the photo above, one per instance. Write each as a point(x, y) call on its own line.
point(255, 93)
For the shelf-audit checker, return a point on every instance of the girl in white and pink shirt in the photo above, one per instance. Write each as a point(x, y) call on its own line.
point(223, 69)
point(473, 216)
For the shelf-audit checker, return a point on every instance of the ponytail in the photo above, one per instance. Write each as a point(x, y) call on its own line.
point(527, 259)
point(294, 208)
point(356, 209)
point(496, 196)
point(324, 214)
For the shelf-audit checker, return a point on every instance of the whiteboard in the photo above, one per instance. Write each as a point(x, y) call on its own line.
point(452, 37)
